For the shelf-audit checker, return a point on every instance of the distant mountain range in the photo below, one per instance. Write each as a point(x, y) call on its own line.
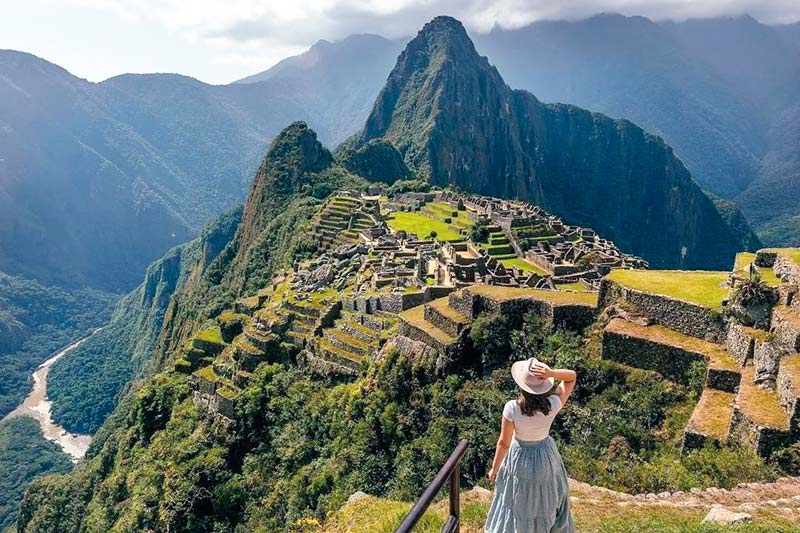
point(99, 179)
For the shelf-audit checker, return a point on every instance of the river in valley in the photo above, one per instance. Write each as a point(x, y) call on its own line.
point(38, 407)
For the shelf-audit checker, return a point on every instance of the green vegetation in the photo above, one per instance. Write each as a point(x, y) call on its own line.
point(528, 236)
point(35, 322)
point(422, 225)
point(386, 434)
point(525, 266)
point(24, 454)
point(211, 335)
point(700, 287)
point(86, 385)
point(793, 254)
point(408, 186)
point(745, 259)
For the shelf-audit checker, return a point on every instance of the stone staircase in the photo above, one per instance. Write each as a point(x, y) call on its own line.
point(752, 384)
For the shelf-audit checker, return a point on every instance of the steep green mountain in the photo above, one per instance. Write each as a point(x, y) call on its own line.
point(35, 321)
point(448, 111)
point(24, 454)
point(86, 385)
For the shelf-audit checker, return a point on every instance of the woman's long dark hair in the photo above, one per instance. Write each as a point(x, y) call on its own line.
point(530, 404)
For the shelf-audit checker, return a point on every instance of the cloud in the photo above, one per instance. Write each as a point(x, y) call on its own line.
point(255, 31)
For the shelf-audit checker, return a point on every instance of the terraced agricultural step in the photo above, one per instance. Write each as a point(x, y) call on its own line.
point(500, 249)
point(711, 419)
point(440, 314)
point(263, 341)
point(370, 336)
point(225, 366)
point(788, 388)
point(346, 342)
point(338, 355)
point(759, 421)
point(247, 355)
point(786, 326)
point(414, 326)
point(303, 308)
point(296, 339)
point(669, 352)
point(298, 326)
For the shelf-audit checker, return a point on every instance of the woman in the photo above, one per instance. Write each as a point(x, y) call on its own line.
point(531, 494)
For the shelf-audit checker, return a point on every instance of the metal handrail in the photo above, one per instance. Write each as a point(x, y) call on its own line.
point(450, 471)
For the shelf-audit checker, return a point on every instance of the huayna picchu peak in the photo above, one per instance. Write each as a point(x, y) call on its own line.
point(456, 123)
point(310, 361)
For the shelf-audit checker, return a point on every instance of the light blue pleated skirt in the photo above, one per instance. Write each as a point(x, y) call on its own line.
point(531, 492)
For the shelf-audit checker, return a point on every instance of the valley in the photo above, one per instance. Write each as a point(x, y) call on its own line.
point(38, 406)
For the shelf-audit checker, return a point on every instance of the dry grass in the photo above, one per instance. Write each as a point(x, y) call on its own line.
point(762, 406)
point(704, 288)
point(592, 514)
point(554, 297)
point(443, 307)
point(791, 365)
point(712, 415)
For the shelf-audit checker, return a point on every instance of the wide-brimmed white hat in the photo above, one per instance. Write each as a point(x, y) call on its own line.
point(521, 372)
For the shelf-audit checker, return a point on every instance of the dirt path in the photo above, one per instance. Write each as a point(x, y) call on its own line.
point(39, 407)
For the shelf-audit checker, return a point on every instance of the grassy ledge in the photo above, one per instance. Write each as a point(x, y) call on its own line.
point(704, 288)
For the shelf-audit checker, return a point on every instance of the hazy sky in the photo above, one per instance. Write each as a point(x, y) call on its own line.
point(220, 41)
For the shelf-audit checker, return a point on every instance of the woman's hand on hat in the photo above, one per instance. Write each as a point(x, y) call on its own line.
point(541, 371)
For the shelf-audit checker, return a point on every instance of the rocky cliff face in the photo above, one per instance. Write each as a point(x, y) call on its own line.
point(456, 122)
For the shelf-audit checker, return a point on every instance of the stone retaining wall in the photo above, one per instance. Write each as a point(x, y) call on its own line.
point(765, 361)
point(442, 322)
point(740, 344)
point(763, 441)
point(787, 387)
point(787, 335)
point(673, 363)
point(787, 270)
point(687, 318)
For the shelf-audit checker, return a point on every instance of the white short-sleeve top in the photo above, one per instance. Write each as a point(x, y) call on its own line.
point(536, 427)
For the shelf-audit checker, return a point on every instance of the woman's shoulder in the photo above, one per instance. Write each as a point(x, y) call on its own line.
point(510, 409)
point(555, 401)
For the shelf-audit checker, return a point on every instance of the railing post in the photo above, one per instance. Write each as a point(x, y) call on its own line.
point(455, 496)
point(450, 471)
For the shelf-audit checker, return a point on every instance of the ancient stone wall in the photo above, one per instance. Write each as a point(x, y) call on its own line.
point(787, 270)
point(788, 388)
point(762, 440)
point(740, 344)
point(673, 363)
point(687, 318)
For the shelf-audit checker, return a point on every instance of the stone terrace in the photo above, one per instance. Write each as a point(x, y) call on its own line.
point(669, 320)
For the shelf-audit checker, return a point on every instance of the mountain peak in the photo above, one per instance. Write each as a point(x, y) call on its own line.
point(443, 33)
